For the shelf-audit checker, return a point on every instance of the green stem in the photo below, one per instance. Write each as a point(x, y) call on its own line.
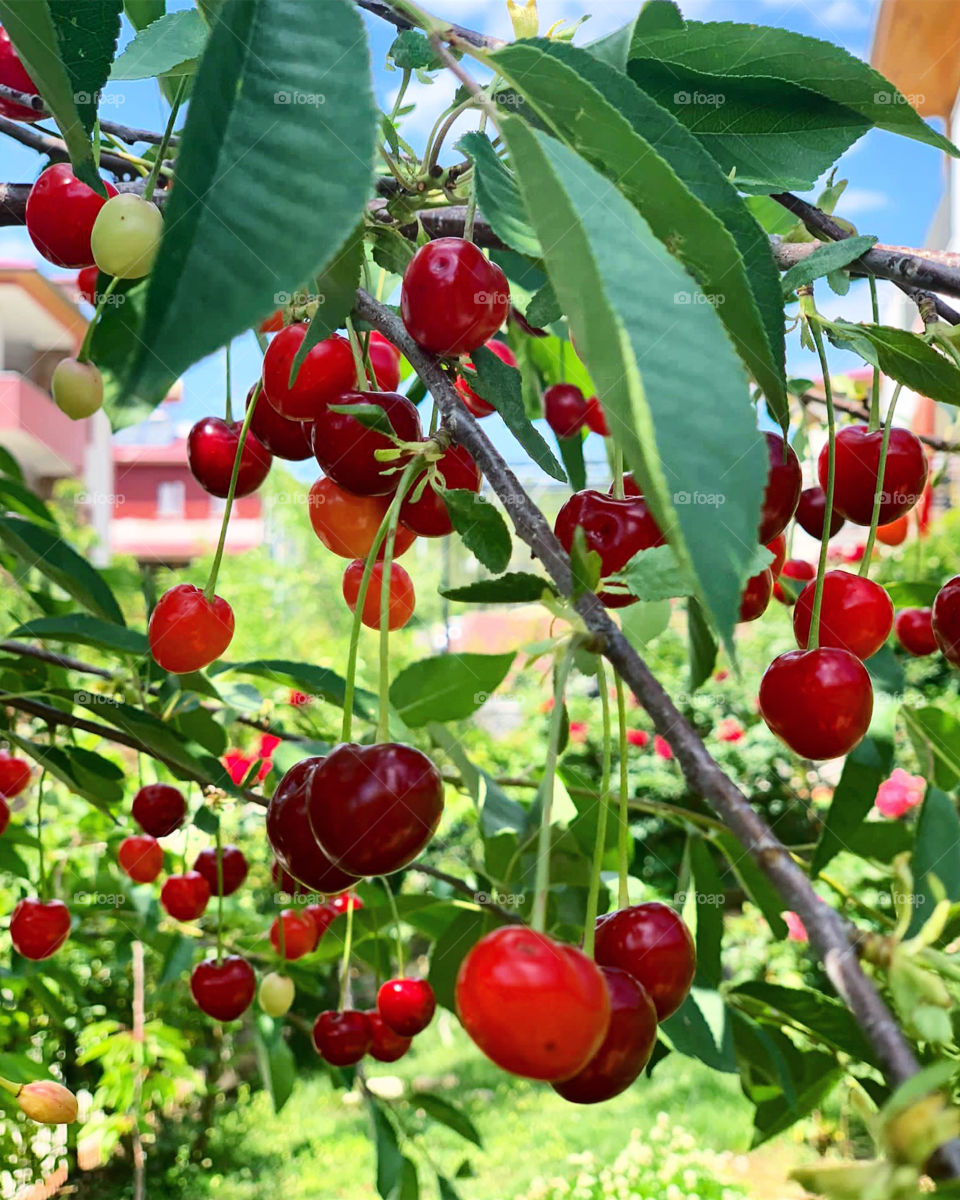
point(83, 354)
point(396, 924)
point(383, 711)
point(165, 143)
point(623, 834)
point(211, 588)
point(41, 866)
point(813, 325)
point(618, 473)
point(539, 916)
point(347, 943)
point(471, 214)
point(228, 415)
point(878, 494)
point(220, 891)
point(874, 422)
point(281, 938)
point(398, 103)
point(593, 897)
point(357, 353)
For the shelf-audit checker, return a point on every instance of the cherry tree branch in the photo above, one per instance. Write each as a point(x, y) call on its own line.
point(56, 150)
point(126, 133)
point(863, 414)
point(398, 20)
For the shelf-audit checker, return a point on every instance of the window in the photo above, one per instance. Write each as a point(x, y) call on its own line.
point(171, 497)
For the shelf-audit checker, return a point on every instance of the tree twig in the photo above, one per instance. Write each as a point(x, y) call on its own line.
point(55, 148)
point(386, 13)
point(863, 414)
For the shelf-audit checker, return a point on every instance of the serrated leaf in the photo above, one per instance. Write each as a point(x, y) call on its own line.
point(116, 341)
point(370, 416)
point(162, 46)
point(517, 587)
point(389, 1158)
point(642, 622)
point(480, 526)
point(83, 771)
point(17, 497)
point(935, 734)
point(936, 852)
point(87, 36)
point(902, 355)
point(141, 13)
point(447, 1114)
point(709, 898)
point(825, 1017)
point(700, 1028)
point(824, 260)
point(497, 195)
point(864, 769)
point(543, 309)
point(701, 645)
point(760, 890)
point(411, 51)
point(308, 678)
point(448, 687)
point(655, 574)
point(80, 629)
point(586, 566)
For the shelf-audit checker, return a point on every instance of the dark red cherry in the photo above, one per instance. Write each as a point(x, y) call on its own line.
point(346, 449)
point(385, 360)
point(756, 596)
point(342, 1038)
point(596, 418)
point(14, 774)
point(385, 1045)
point(534, 1006)
point(342, 903)
point(234, 869)
point(60, 213)
point(778, 548)
point(799, 571)
point(626, 1049)
point(223, 990)
point(914, 630)
point(286, 882)
point(300, 933)
point(13, 74)
point(292, 840)
point(819, 702)
point(565, 409)
point(427, 515)
point(289, 440)
point(857, 467)
point(856, 614)
point(476, 404)
point(141, 857)
point(812, 510)
point(159, 809)
point(407, 1005)
point(39, 928)
point(322, 915)
point(211, 451)
point(185, 897)
point(4, 816)
point(327, 371)
point(453, 298)
point(945, 620)
point(783, 488)
point(187, 631)
point(653, 944)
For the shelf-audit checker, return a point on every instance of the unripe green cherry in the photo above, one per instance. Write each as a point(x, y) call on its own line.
point(77, 388)
point(126, 236)
point(276, 994)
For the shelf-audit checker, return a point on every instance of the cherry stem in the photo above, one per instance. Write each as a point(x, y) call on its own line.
point(542, 886)
point(814, 327)
point(618, 492)
point(8, 1085)
point(281, 937)
point(874, 422)
point(396, 923)
point(165, 140)
point(228, 406)
point(623, 833)
point(347, 943)
point(593, 897)
point(83, 354)
point(383, 712)
point(357, 351)
point(219, 892)
point(41, 867)
point(211, 588)
point(878, 494)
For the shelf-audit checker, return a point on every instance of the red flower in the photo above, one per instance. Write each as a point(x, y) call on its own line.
point(637, 737)
point(299, 699)
point(796, 931)
point(661, 747)
point(268, 743)
point(578, 731)
point(901, 792)
point(729, 730)
point(237, 764)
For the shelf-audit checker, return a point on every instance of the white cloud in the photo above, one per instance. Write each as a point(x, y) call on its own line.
point(856, 201)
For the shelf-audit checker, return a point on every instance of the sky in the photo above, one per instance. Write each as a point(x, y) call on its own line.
point(895, 184)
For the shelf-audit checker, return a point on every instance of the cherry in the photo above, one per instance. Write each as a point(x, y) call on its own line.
point(187, 631)
point(276, 994)
point(778, 548)
point(796, 569)
point(630, 485)
point(292, 840)
point(286, 882)
point(385, 1045)
point(14, 774)
point(223, 990)
point(185, 897)
point(453, 298)
point(626, 1049)
point(300, 934)
point(596, 419)
point(347, 524)
point(285, 439)
point(126, 236)
point(326, 372)
point(374, 808)
point(87, 280)
point(812, 511)
point(159, 809)
point(616, 529)
point(475, 403)
point(653, 944)
point(945, 620)
point(856, 614)
point(783, 488)
point(756, 595)
point(402, 598)
point(60, 213)
point(406, 1005)
point(211, 450)
point(894, 534)
point(273, 323)
point(346, 449)
point(322, 915)
point(385, 360)
point(233, 867)
point(534, 1006)
point(76, 388)
point(819, 702)
point(47, 1102)
point(914, 630)
point(13, 74)
point(565, 409)
point(857, 467)
point(340, 904)
point(427, 515)
point(342, 1038)
point(4, 816)
point(141, 857)
point(39, 928)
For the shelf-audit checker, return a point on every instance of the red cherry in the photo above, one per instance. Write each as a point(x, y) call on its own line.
point(234, 868)
point(211, 451)
point(914, 630)
point(857, 467)
point(427, 515)
point(300, 934)
point(340, 904)
point(342, 1038)
point(596, 418)
point(476, 404)
point(778, 548)
point(286, 882)
point(347, 524)
point(811, 513)
point(185, 897)
point(856, 614)
point(453, 298)
point(13, 74)
point(223, 990)
point(346, 449)
point(819, 702)
point(187, 631)
point(60, 214)
point(756, 596)
point(385, 360)
point(385, 1045)
point(945, 620)
point(159, 809)
point(630, 485)
point(565, 409)
point(273, 323)
point(141, 857)
point(534, 1006)
point(4, 816)
point(326, 372)
point(39, 928)
point(402, 598)
point(374, 808)
point(653, 944)
point(894, 534)
point(616, 529)
point(87, 280)
point(322, 915)
point(796, 569)
point(292, 840)
point(626, 1049)
point(14, 774)
point(783, 488)
point(406, 1005)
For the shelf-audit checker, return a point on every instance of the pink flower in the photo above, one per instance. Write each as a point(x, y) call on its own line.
point(796, 932)
point(637, 737)
point(237, 764)
point(729, 730)
point(661, 748)
point(901, 792)
point(268, 743)
point(578, 731)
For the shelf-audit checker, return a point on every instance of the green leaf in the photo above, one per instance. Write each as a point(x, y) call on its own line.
point(88, 774)
point(162, 46)
point(409, 1186)
point(498, 813)
point(586, 566)
point(87, 37)
point(760, 890)
point(278, 1068)
point(864, 769)
point(389, 1158)
point(449, 687)
point(571, 451)
point(701, 645)
point(411, 51)
point(39, 547)
point(141, 13)
point(935, 735)
point(370, 416)
point(516, 587)
point(655, 574)
point(310, 679)
point(336, 290)
point(825, 259)
point(80, 629)
point(912, 594)
point(277, 93)
point(886, 671)
point(115, 343)
point(497, 195)
point(642, 622)
point(827, 1019)
point(700, 1028)
point(543, 309)
point(446, 1189)
point(814, 1074)
point(902, 355)
point(177, 960)
point(880, 840)
point(709, 897)
point(630, 333)
point(481, 527)
point(447, 1114)
point(936, 852)
point(451, 949)
point(759, 1059)
point(15, 496)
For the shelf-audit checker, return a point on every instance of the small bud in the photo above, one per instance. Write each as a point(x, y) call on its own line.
point(48, 1103)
